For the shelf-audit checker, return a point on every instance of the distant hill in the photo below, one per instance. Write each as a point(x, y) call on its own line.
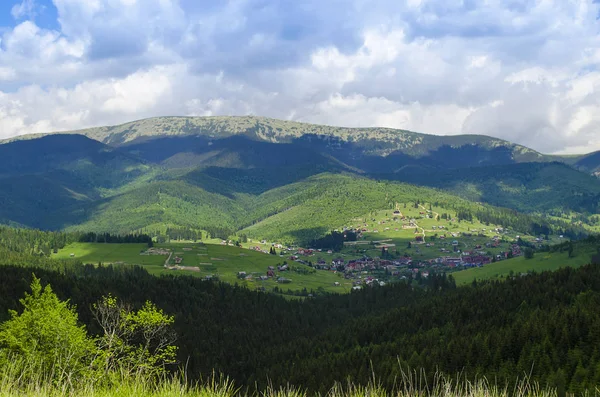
point(364, 141)
point(527, 187)
point(589, 163)
point(268, 177)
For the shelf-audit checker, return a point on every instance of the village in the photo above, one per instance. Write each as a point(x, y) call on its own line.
point(407, 244)
point(403, 245)
point(376, 270)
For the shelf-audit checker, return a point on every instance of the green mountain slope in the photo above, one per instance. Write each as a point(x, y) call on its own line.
point(41, 179)
point(293, 212)
point(589, 163)
point(527, 187)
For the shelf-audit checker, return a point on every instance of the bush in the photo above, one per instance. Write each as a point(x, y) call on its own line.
point(46, 335)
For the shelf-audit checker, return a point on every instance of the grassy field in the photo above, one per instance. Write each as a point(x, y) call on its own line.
point(202, 260)
point(542, 261)
point(109, 253)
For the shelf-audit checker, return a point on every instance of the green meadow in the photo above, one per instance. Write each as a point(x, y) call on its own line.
point(542, 261)
point(109, 253)
point(222, 262)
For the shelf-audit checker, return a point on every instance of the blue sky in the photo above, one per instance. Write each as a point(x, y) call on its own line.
point(525, 71)
point(43, 12)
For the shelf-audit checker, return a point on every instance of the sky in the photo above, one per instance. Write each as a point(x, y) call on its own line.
point(527, 71)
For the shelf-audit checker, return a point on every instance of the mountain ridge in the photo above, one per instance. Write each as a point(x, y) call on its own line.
point(223, 126)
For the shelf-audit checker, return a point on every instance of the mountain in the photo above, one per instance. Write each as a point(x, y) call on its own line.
point(348, 142)
point(268, 178)
point(527, 187)
point(589, 163)
point(44, 176)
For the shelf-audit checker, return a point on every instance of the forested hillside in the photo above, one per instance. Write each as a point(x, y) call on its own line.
point(527, 187)
point(589, 163)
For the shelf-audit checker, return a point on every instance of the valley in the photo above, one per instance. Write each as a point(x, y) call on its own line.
point(406, 244)
point(212, 262)
point(352, 251)
point(416, 204)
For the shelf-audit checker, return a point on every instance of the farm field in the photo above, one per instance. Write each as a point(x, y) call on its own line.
point(211, 260)
point(109, 253)
point(542, 261)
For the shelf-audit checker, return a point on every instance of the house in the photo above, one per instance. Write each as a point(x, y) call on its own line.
point(338, 261)
point(419, 239)
point(241, 275)
point(452, 261)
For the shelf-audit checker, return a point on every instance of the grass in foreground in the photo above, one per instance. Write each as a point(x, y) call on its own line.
point(413, 385)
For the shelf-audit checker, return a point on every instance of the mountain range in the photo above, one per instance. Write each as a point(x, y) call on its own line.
point(272, 178)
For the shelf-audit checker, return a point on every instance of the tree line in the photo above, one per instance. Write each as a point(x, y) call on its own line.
point(131, 238)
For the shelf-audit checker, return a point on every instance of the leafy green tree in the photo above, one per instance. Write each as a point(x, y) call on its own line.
point(46, 335)
point(134, 341)
point(528, 253)
point(570, 249)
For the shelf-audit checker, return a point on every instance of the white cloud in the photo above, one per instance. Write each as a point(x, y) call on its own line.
point(522, 71)
point(26, 8)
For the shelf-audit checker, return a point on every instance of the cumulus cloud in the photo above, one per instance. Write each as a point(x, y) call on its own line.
point(527, 72)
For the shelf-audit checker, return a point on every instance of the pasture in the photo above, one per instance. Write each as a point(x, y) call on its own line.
point(109, 254)
point(221, 262)
point(542, 261)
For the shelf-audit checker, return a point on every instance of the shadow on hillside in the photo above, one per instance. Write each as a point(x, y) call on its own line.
point(255, 181)
point(357, 154)
point(526, 187)
point(235, 164)
point(305, 236)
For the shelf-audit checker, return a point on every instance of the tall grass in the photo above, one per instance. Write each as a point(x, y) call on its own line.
point(17, 379)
